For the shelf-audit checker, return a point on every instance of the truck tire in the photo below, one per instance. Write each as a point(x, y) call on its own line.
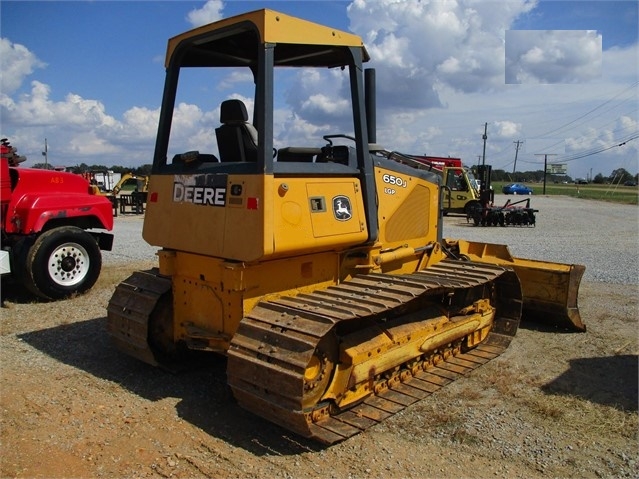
point(62, 261)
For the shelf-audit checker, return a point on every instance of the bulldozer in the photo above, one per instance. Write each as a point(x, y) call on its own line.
point(319, 271)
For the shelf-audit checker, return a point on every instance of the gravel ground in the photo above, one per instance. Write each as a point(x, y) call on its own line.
point(602, 236)
point(553, 405)
point(128, 244)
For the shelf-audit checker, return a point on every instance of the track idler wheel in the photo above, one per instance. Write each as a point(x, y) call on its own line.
point(168, 353)
point(319, 371)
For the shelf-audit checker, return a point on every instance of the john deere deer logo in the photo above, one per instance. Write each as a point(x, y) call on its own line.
point(342, 208)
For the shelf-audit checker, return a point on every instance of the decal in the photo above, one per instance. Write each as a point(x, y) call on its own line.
point(394, 180)
point(252, 203)
point(318, 204)
point(207, 189)
point(342, 208)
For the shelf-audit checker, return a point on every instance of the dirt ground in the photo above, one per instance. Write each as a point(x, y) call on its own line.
point(555, 404)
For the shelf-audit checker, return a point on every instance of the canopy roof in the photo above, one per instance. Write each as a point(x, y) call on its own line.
point(234, 42)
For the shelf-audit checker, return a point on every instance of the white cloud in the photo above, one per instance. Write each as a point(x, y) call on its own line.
point(234, 78)
point(311, 95)
point(440, 77)
point(418, 46)
point(620, 64)
point(553, 56)
point(78, 129)
point(36, 109)
point(507, 129)
point(291, 129)
point(210, 12)
point(593, 138)
point(141, 123)
point(16, 63)
point(325, 104)
point(89, 144)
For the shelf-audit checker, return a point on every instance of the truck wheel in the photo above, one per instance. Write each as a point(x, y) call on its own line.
point(63, 261)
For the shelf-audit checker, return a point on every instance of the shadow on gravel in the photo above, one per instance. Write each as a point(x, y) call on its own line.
point(15, 293)
point(206, 401)
point(547, 326)
point(463, 223)
point(611, 381)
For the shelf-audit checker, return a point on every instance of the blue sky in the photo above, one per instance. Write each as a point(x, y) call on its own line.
point(88, 77)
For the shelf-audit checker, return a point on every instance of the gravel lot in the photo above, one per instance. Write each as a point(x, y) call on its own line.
point(553, 405)
point(128, 244)
point(602, 236)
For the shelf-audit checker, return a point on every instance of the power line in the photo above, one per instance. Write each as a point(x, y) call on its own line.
point(554, 131)
point(577, 156)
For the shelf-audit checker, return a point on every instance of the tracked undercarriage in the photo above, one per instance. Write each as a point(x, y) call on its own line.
point(329, 364)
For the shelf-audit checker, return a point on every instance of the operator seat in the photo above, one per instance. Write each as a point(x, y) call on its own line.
point(236, 137)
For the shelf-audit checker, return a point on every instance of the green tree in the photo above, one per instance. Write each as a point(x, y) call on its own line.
point(599, 179)
point(144, 170)
point(620, 175)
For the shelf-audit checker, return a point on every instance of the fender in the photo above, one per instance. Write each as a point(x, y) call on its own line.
point(34, 210)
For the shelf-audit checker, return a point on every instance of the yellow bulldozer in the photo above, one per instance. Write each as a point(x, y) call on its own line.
point(320, 271)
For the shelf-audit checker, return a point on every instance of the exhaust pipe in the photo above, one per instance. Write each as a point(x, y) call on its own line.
point(370, 104)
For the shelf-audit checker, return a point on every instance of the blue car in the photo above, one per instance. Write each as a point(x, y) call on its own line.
point(516, 189)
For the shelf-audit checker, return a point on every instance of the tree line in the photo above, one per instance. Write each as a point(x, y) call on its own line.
point(143, 170)
point(620, 175)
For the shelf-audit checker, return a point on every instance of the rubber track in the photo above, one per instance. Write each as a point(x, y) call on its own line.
point(275, 342)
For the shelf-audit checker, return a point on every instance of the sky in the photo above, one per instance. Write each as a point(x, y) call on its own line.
point(556, 78)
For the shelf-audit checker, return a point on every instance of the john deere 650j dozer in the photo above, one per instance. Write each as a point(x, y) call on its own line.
point(319, 270)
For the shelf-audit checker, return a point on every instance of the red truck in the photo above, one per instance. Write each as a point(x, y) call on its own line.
point(53, 228)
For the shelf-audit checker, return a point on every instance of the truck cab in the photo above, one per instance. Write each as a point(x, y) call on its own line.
point(53, 229)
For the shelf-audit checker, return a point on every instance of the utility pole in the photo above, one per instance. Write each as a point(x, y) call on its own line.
point(517, 143)
point(45, 154)
point(546, 155)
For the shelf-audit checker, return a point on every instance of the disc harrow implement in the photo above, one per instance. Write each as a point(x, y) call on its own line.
point(507, 215)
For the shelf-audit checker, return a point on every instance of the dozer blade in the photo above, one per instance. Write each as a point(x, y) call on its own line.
point(550, 290)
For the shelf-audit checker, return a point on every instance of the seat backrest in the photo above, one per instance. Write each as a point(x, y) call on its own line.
point(236, 137)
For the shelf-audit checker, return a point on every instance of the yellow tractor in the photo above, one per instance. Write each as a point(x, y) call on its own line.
point(320, 271)
point(461, 190)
